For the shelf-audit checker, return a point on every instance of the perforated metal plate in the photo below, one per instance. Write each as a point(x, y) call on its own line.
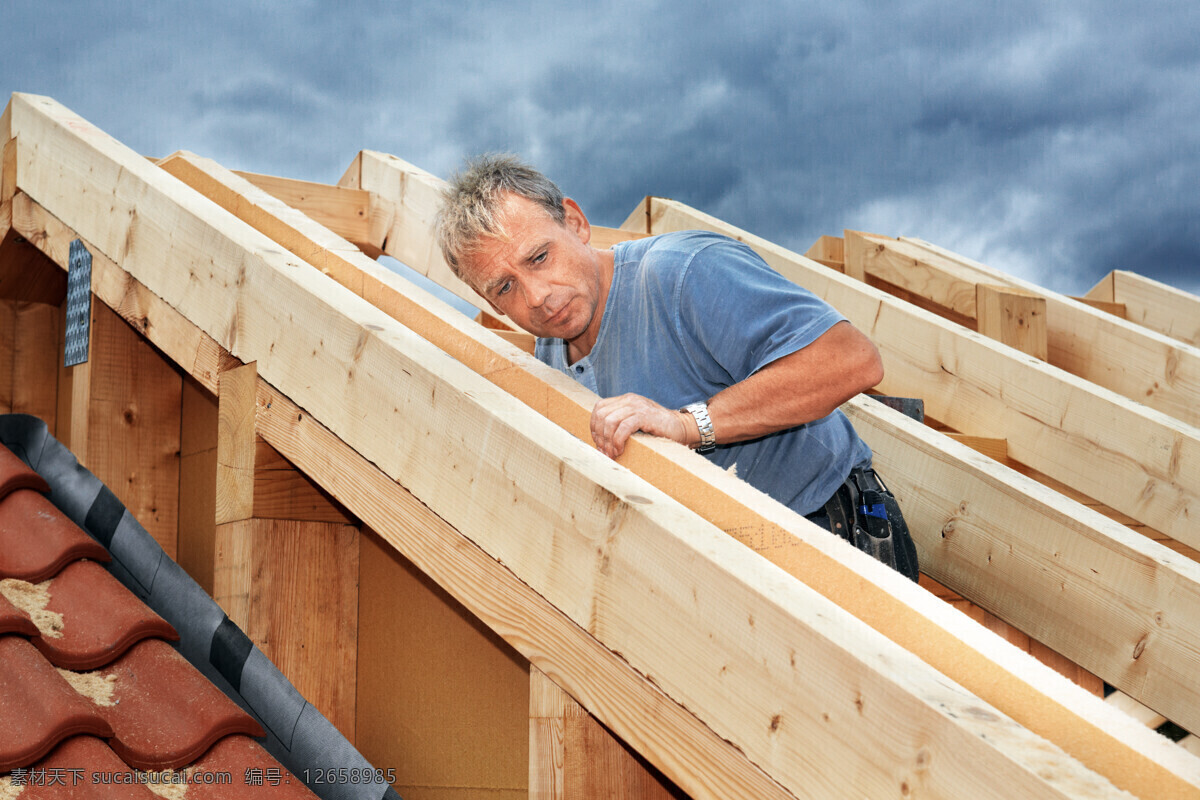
point(79, 305)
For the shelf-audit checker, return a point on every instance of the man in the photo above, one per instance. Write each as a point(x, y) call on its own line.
point(689, 336)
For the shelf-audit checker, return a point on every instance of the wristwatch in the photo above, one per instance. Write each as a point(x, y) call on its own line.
point(708, 439)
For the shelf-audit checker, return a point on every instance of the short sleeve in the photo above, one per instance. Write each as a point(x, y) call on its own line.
point(733, 307)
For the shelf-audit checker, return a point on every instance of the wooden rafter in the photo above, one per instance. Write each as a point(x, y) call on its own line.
point(1140, 364)
point(1152, 304)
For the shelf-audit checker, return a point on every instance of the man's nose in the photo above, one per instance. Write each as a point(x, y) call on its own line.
point(536, 291)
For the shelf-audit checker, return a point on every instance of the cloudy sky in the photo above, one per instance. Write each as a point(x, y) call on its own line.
point(1056, 141)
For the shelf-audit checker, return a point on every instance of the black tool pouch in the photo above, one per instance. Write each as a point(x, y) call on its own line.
point(866, 514)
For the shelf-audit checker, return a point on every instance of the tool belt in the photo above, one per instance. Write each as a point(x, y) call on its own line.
point(863, 512)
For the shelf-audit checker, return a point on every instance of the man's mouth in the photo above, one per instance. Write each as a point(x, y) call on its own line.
point(550, 319)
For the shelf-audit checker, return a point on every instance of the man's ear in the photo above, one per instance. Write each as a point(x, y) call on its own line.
point(576, 220)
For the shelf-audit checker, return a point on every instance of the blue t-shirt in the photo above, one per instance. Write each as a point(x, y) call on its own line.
point(689, 314)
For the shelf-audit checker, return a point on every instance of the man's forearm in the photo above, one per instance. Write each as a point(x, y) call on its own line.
point(801, 387)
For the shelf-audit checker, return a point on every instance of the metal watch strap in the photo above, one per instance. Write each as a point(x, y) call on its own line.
point(708, 438)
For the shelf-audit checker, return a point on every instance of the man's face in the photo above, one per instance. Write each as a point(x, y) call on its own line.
point(544, 276)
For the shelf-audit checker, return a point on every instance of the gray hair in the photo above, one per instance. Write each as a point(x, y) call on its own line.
point(471, 203)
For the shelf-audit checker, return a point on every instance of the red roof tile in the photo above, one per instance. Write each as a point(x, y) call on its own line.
point(105, 619)
point(164, 713)
point(37, 540)
point(81, 768)
point(15, 474)
point(14, 620)
point(149, 706)
point(39, 708)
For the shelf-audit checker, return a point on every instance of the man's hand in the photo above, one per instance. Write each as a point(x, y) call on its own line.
point(615, 419)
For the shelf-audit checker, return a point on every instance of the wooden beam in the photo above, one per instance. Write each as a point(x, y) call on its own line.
point(197, 353)
point(935, 279)
point(344, 211)
point(416, 196)
point(124, 407)
point(1141, 463)
point(30, 345)
point(1152, 304)
point(1013, 316)
point(1140, 364)
point(235, 444)
point(638, 220)
point(292, 586)
point(365, 350)
point(197, 483)
point(1116, 309)
point(24, 274)
point(573, 757)
point(1146, 716)
point(283, 492)
point(8, 174)
point(604, 238)
point(829, 251)
point(997, 541)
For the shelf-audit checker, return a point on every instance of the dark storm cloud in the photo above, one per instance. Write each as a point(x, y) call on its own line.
point(1055, 141)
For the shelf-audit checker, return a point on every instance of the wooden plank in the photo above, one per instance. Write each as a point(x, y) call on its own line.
point(235, 444)
point(1108, 307)
point(997, 450)
point(74, 391)
point(547, 706)
point(8, 346)
point(1140, 462)
point(1014, 317)
point(573, 757)
point(198, 484)
point(283, 492)
point(936, 279)
point(638, 220)
point(35, 360)
point(271, 286)
point(8, 174)
point(829, 251)
point(26, 274)
point(441, 698)
point(1140, 364)
point(1157, 306)
point(1104, 290)
point(604, 238)
point(344, 211)
point(416, 195)
point(855, 250)
point(293, 588)
point(133, 410)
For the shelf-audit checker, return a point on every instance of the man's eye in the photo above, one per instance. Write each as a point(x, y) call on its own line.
point(540, 257)
point(504, 287)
